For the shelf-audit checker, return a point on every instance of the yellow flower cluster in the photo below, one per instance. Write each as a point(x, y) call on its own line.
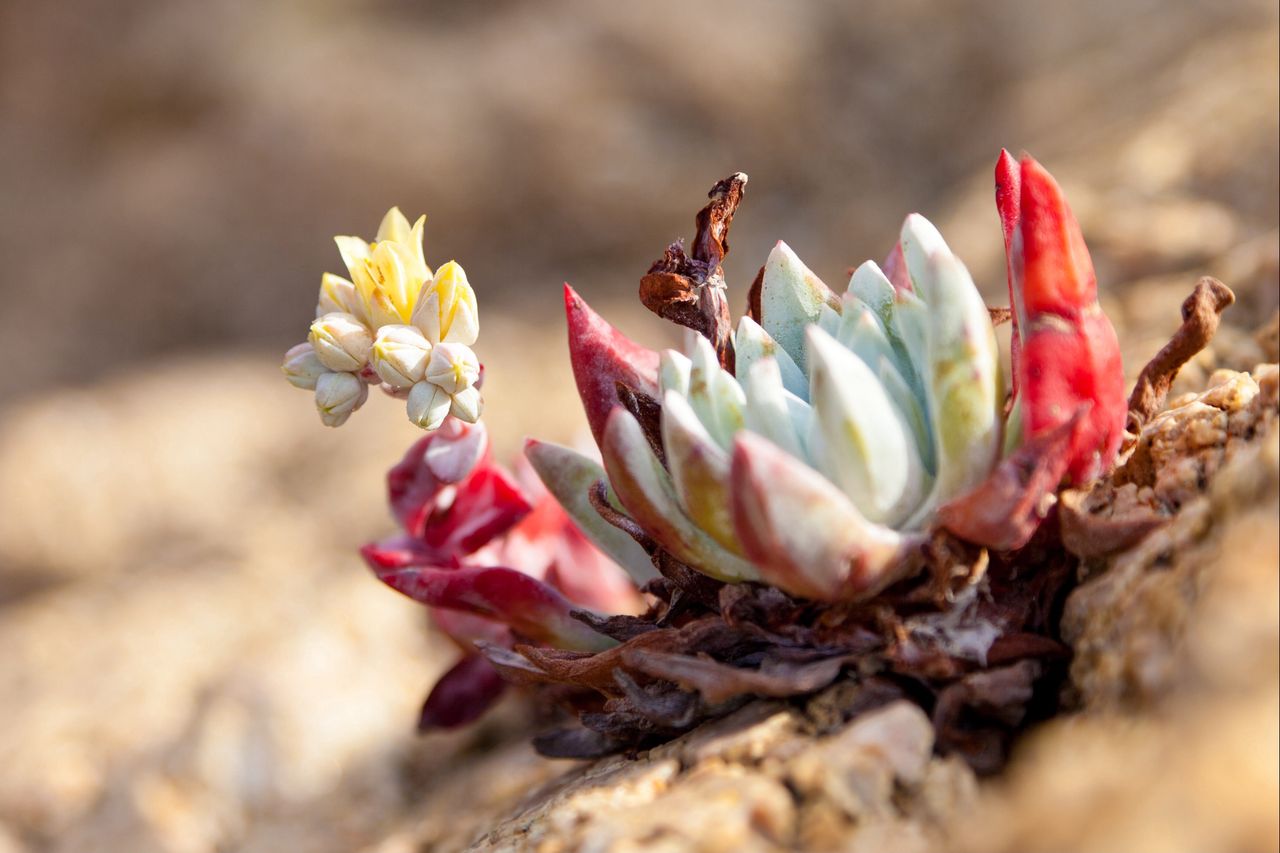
point(393, 323)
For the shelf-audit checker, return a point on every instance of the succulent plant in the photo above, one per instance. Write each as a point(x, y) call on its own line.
point(819, 446)
point(759, 486)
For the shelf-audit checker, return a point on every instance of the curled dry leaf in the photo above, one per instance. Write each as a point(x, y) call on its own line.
point(1200, 315)
point(688, 288)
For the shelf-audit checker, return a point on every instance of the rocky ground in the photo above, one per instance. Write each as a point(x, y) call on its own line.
point(193, 660)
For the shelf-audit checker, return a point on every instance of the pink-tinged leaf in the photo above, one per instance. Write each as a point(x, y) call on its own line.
point(1006, 509)
point(588, 577)
point(467, 629)
point(895, 269)
point(531, 608)
point(1068, 354)
point(602, 357)
point(396, 552)
point(457, 449)
point(1008, 204)
point(646, 492)
point(569, 476)
point(486, 505)
point(436, 460)
point(462, 695)
point(804, 534)
point(548, 545)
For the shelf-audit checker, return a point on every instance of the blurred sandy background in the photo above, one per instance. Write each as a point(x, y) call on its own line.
point(191, 657)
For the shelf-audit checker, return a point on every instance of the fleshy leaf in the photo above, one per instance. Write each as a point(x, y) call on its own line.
point(602, 357)
point(867, 449)
point(569, 476)
point(964, 386)
point(1008, 205)
point(714, 394)
point(791, 298)
point(462, 695)
point(699, 469)
point(752, 343)
point(674, 369)
point(645, 490)
point(1069, 354)
point(486, 505)
point(1005, 510)
point(803, 533)
point(530, 607)
point(776, 413)
point(443, 457)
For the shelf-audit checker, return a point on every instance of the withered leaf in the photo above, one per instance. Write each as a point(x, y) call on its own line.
point(688, 289)
point(648, 413)
point(718, 682)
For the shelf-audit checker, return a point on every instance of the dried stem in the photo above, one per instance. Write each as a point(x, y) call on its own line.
point(1200, 315)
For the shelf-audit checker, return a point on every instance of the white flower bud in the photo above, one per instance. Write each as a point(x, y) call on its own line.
point(467, 405)
point(301, 366)
point(338, 395)
point(338, 294)
point(446, 307)
point(400, 355)
point(453, 367)
point(341, 341)
point(428, 405)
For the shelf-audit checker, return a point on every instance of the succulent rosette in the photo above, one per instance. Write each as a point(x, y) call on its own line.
point(821, 444)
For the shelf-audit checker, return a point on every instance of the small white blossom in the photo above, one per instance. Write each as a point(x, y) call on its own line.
point(338, 294)
point(338, 395)
point(301, 367)
point(400, 355)
point(428, 405)
point(446, 307)
point(453, 367)
point(341, 341)
point(467, 405)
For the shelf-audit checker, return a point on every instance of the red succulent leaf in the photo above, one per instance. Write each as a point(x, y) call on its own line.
point(435, 461)
point(602, 357)
point(1068, 354)
point(1008, 204)
point(397, 552)
point(462, 694)
point(485, 505)
point(530, 607)
point(1004, 511)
